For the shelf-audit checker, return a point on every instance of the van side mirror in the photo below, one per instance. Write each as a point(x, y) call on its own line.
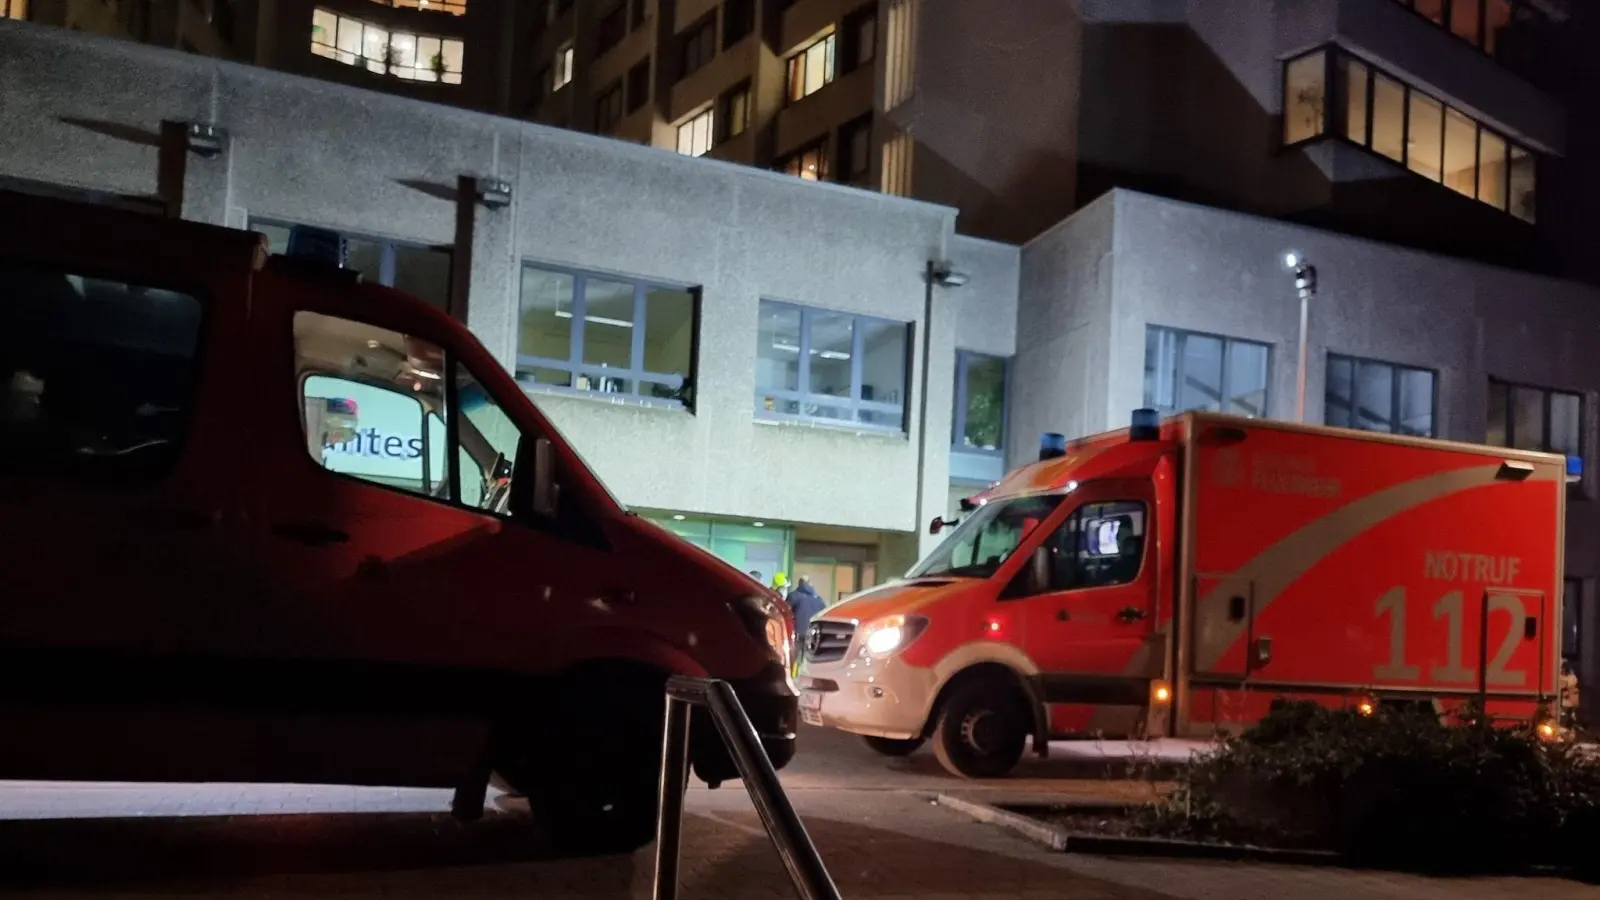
point(937, 525)
point(546, 493)
point(1039, 569)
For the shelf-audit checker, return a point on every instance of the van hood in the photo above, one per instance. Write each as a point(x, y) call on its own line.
point(899, 598)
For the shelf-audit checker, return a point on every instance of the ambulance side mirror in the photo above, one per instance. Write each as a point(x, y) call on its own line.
point(1039, 570)
point(939, 524)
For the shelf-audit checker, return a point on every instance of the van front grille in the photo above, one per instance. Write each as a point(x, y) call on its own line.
point(828, 641)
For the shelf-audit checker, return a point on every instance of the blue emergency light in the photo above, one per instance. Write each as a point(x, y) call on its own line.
point(318, 245)
point(1144, 425)
point(1574, 467)
point(1052, 445)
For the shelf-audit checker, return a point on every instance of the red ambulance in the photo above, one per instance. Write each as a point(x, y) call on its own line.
point(1172, 578)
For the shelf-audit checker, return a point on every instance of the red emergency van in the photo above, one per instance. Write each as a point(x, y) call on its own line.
point(1171, 579)
point(260, 521)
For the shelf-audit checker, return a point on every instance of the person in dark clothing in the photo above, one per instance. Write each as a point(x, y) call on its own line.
point(806, 602)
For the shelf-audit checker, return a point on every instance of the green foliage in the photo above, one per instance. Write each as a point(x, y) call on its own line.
point(1401, 787)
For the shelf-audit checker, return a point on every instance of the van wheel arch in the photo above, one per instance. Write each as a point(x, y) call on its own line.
point(997, 673)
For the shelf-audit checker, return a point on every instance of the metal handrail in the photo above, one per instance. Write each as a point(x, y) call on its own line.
point(788, 834)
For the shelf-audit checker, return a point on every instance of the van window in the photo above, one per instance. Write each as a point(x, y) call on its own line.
point(97, 376)
point(1099, 545)
point(987, 538)
point(376, 406)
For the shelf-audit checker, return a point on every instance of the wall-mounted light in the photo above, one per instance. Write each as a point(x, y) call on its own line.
point(205, 140)
point(945, 275)
point(494, 193)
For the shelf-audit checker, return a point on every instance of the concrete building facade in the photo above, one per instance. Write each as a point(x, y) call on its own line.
point(819, 389)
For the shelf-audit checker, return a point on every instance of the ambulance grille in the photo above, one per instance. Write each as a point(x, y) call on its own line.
point(828, 641)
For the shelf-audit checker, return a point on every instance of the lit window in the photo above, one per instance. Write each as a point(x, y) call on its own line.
point(1185, 370)
point(820, 365)
point(561, 69)
point(695, 135)
point(811, 69)
point(1481, 23)
point(403, 55)
point(1436, 141)
point(1304, 92)
point(609, 335)
point(980, 411)
point(14, 9)
point(810, 164)
point(454, 7)
point(1377, 396)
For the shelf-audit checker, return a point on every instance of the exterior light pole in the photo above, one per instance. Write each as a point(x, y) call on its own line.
point(1305, 284)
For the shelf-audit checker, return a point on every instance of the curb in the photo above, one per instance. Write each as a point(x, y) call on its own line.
point(1063, 841)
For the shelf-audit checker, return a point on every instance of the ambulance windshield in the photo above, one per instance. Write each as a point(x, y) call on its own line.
point(987, 537)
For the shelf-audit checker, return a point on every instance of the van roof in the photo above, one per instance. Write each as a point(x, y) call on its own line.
point(61, 231)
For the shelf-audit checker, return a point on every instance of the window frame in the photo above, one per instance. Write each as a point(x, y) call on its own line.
point(1335, 97)
point(1227, 342)
point(730, 36)
point(801, 393)
point(561, 66)
point(1073, 521)
point(634, 374)
point(1547, 394)
point(630, 103)
point(1394, 393)
point(851, 170)
point(609, 101)
point(818, 146)
point(1519, 8)
point(385, 68)
point(1575, 659)
point(796, 63)
point(958, 425)
point(701, 33)
point(688, 126)
point(725, 121)
point(387, 251)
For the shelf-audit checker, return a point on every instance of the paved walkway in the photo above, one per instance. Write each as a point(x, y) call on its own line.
point(879, 844)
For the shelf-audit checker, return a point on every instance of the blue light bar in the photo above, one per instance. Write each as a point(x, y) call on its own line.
point(1574, 467)
point(1052, 444)
point(1145, 418)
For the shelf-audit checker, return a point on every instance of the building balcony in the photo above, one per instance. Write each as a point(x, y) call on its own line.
point(819, 114)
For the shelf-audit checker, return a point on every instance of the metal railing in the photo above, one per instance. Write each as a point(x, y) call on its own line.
point(783, 826)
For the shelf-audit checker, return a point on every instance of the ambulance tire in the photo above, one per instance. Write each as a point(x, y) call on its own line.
point(592, 775)
point(893, 746)
point(982, 729)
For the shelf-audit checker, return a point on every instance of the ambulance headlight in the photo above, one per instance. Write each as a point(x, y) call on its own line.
point(891, 634)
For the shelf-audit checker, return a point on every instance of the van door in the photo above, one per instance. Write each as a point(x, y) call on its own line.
point(1088, 624)
point(403, 584)
point(119, 539)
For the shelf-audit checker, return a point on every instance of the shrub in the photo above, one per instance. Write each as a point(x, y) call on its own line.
point(1399, 787)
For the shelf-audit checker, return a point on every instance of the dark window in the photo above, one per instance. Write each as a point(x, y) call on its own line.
point(826, 366)
point(979, 423)
point(389, 426)
point(1186, 370)
point(611, 29)
point(607, 334)
point(639, 12)
point(699, 46)
point(639, 85)
point(562, 6)
point(541, 85)
point(1572, 621)
point(738, 20)
point(608, 109)
point(858, 41)
point(735, 111)
point(855, 151)
point(98, 375)
point(1434, 140)
point(1379, 396)
point(1533, 418)
point(1099, 545)
point(423, 272)
point(809, 163)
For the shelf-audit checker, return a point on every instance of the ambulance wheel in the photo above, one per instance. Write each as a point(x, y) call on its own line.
point(591, 775)
point(982, 730)
point(893, 746)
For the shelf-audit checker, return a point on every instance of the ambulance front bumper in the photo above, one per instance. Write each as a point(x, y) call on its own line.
point(881, 697)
